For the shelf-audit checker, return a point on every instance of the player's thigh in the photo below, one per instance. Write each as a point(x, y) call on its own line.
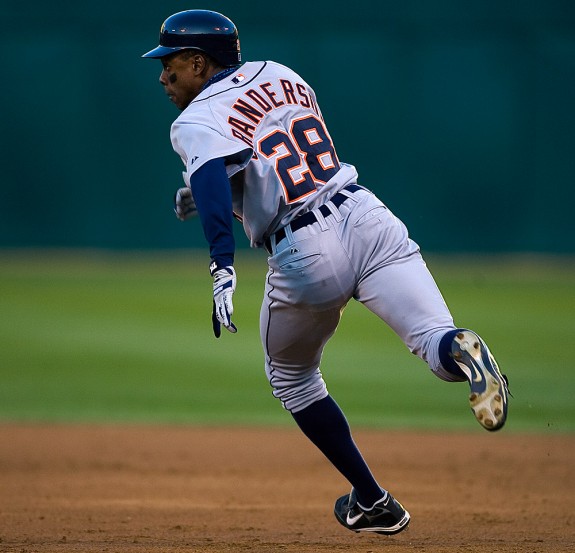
point(404, 294)
point(293, 338)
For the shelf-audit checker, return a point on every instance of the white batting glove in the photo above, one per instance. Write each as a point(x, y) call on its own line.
point(184, 204)
point(223, 308)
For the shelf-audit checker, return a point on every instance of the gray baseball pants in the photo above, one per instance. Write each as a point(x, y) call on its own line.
point(360, 250)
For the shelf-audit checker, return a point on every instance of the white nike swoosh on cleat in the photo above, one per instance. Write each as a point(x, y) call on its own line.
point(471, 371)
point(352, 520)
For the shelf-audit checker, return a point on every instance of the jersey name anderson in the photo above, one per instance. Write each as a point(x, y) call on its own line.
point(259, 101)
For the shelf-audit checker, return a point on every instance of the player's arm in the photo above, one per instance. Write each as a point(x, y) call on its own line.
point(213, 198)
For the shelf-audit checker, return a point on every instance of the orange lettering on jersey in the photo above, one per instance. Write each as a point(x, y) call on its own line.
point(271, 95)
point(288, 89)
point(248, 111)
point(242, 137)
point(259, 99)
point(252, 115)
point(242, 126)
point(302, 92)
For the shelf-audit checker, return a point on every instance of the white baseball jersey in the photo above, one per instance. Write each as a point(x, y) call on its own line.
point(265, 121)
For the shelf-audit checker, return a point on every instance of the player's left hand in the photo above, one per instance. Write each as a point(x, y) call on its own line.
point(223, 308)
point(184, 204)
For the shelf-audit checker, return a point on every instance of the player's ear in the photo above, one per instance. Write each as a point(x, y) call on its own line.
point(200, 63)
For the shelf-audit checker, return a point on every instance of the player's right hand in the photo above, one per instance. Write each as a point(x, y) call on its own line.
point(184, 204)
point(223, 308)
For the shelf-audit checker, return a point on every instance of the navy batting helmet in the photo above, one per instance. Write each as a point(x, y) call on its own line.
point(204, 30)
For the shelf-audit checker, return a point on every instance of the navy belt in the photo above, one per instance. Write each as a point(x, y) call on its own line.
point(309, 217)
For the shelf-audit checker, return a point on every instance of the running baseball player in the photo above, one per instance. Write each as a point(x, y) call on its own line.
point(255, 146)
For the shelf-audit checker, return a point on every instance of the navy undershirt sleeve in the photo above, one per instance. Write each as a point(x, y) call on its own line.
point(213, 196)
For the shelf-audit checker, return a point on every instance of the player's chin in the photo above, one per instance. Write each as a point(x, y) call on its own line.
point(179, 103)
point(173, 99)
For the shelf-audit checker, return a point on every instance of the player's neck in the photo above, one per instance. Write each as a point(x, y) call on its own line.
point(218, 76)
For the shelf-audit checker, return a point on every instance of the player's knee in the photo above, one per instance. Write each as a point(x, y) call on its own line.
point(296, 389)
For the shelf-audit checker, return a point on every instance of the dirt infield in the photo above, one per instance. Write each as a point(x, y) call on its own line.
point(151, 489)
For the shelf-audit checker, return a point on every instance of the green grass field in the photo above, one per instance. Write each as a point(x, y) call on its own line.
point(126, 337)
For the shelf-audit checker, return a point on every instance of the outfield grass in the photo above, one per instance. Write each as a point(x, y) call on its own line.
point(96, 336)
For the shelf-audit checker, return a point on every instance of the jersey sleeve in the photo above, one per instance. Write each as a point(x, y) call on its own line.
point(211, 189)
point(197, 144)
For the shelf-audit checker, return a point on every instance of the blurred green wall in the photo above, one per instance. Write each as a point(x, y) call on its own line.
point(461, 115)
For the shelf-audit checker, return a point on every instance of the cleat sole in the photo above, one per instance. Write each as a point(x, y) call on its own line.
point(488, 397)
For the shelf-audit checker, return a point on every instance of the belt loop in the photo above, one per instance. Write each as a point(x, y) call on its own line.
point(349, 191)
point(335, 212)
point(321, 219)
point(289, 234)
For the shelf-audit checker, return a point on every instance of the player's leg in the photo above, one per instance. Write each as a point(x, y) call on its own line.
point(406, 297)
point(399, 288)
point(295, 327)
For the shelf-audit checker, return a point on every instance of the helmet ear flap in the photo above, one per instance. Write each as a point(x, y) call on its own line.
point(204, 30)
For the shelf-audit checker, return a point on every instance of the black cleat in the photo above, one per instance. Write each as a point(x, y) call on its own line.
point(387, 516)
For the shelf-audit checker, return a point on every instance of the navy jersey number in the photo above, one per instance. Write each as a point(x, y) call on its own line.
point(304, 157)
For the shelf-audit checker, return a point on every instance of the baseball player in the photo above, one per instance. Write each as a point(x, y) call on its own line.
point(255, 146)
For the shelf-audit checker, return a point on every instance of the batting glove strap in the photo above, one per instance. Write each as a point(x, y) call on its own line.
point(223, 308)
point(184, 204)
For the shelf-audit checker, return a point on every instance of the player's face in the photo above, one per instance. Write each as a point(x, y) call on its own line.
point(181, 79)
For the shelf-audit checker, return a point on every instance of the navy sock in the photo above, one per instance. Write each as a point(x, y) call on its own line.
point(447, 361)
point(324, 423)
